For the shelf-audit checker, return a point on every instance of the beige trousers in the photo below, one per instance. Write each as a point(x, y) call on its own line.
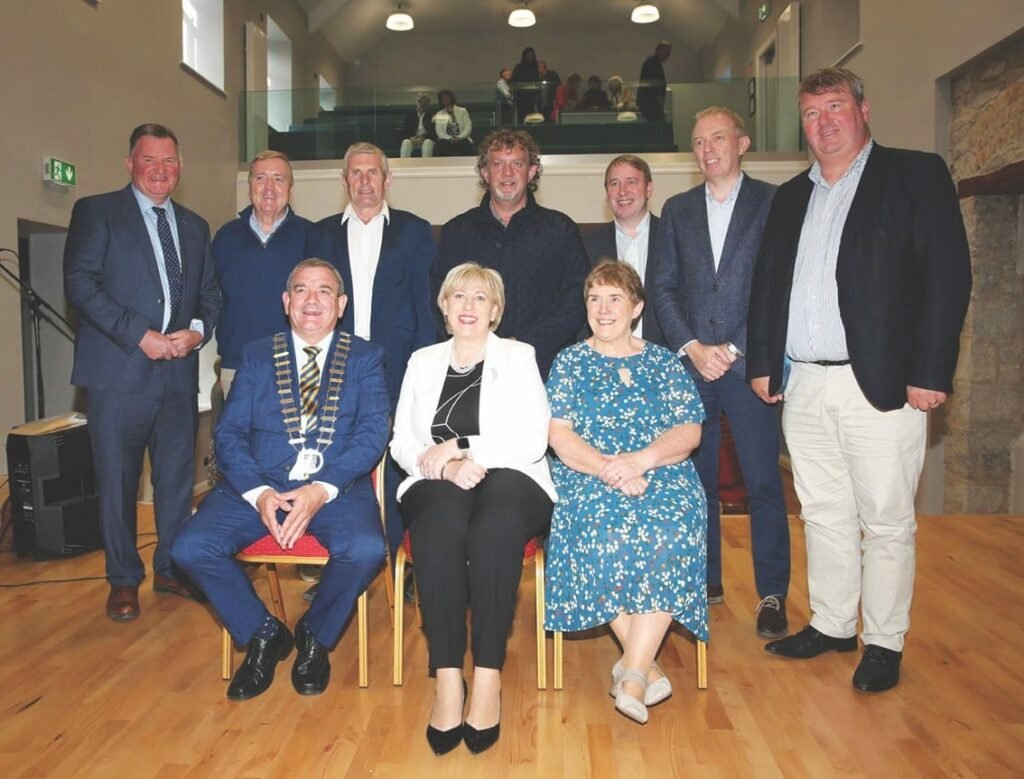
point(856, 471)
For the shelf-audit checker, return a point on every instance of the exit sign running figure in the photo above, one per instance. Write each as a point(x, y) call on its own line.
point(59, 172)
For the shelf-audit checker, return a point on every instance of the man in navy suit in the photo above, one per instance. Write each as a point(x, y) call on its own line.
point(631, 235)
point(306, 420)
point(384, 257)
point(138, 268)
point(707, 249)
point(863, 282)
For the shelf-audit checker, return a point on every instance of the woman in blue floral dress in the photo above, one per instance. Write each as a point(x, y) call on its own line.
point(627, 545)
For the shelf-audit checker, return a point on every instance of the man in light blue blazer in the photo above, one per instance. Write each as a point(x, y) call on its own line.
point(305, 423)
point(707, 247)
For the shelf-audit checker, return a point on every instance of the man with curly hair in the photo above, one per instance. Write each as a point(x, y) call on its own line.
point(537, 251)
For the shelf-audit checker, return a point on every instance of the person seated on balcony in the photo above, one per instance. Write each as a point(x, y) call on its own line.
point(503, 97)
point(627, 544)
point(418, 129)
point(305, 423)
point(595, 98)
point(471, 431)
point(526, 85)
point(453, 127)
point(567, 95)
point(620, 96)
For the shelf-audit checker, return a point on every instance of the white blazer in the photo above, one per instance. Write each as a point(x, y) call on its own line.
point(461, 116)
point(514, 411)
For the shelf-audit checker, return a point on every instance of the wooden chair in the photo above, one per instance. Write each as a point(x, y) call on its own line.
point(702, 663)
point(533, 550)
point(308, 551)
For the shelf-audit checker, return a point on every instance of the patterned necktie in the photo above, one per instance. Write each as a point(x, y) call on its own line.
point(309, 386)
point(172, 264)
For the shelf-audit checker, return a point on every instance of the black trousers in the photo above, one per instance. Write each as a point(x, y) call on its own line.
point(468, 551)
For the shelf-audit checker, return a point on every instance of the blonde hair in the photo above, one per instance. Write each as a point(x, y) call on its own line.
point(467, 273)
point(270, 154)
point(737, 120)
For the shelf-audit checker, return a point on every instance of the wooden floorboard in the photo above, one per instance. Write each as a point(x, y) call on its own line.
point(81, 696)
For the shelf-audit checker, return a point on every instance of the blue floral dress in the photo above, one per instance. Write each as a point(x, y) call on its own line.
point(609, 552)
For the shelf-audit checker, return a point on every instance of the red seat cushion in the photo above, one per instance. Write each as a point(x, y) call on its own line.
point(306, 546)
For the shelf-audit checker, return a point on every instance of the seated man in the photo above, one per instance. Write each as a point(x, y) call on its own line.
point(595, 98)
point(296, 441)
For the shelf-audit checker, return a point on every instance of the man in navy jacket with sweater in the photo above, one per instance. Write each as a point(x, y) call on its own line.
point(537, 251)
point(707, 248)
point(253, 256)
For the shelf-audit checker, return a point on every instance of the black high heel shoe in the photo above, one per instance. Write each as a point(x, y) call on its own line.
point(478, 741)
point(444, 741)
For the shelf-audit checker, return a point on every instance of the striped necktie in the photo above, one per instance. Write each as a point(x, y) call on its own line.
point(172, 265)
point(309, 386)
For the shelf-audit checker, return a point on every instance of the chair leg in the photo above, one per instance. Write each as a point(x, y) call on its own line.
point(389, 585)
point(702, 665)
point(557, 659)
point(364, 670)
point(227, 652)
point(542, 654)
point(399, 622)
point(276, 599)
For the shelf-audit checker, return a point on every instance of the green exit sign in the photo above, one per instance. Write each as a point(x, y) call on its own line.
point(762, 11)
point(59, 172)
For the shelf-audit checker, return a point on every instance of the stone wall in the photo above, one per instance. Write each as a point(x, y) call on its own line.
point(985, 417)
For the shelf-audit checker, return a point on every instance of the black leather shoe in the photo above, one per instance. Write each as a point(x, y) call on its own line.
point(716, 594)
point(878, 670)
point(771, 617)
point(478, 741)
point(261, 658)
point(312, 669)
point(809, 643)
point(444, 741)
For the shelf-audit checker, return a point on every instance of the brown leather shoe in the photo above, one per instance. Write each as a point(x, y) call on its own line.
point(174, 587)
point(123, 602)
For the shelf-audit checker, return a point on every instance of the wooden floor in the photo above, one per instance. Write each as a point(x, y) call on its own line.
point(82, 696)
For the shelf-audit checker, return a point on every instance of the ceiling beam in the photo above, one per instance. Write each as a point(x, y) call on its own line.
point(322, 11)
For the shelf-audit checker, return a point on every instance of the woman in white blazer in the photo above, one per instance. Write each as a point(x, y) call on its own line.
point(471, 431)
point(453, 126)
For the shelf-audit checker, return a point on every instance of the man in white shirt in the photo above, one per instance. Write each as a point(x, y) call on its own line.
point(305, 423)
point(631, 235)
point(384, 257)
point(707, 249)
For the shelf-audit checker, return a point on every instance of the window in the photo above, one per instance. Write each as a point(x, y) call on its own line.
point(279, 77)
point(327, 96)
point(202, 39)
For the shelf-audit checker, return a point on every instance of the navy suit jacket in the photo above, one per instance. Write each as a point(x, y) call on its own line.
point(251, 441)
point(601, 243)
point(903, 273)
point(692, 299)
point(401, 313)
point(111, 277)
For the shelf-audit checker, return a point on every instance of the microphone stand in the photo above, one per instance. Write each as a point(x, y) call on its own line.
point(38, 305)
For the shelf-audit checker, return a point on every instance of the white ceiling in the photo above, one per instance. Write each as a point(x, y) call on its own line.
point(354, 26)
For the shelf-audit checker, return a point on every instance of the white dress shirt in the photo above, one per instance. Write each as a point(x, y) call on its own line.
point(633, 252)
point(363, 255)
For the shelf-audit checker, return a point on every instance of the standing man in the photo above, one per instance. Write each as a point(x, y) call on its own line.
point(138, 268)
point(631, 236)
point(305, 425)
point(650, 95)
point(863, 283)
point(706, 255)
point(253, 256)
point(537, 251)
point(384, 257)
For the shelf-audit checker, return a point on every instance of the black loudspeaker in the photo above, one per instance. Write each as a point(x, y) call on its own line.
point(55, 512)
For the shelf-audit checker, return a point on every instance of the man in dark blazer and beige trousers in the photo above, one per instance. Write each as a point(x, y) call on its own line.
point(138, 268)
point(632, 234)
point(707, 247)
point(863, 282)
